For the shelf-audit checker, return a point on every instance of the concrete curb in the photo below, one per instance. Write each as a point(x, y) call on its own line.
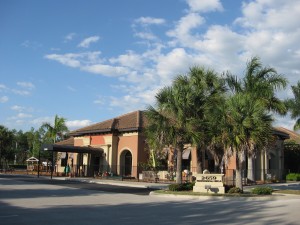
point(233, 198)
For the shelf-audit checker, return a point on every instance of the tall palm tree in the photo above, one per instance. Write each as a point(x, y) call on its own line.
point(57, 130)
point(171, 119)
point(246, 127)
point(261, 83)
point(207, 93)
point(183, 108)
point(293, 105)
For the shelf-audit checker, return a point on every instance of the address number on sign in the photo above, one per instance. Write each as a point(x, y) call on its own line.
point(209, 178)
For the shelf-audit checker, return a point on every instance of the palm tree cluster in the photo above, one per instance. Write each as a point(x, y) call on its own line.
point(220, 114)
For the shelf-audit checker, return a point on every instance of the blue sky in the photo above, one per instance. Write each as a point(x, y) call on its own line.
point(89, 61)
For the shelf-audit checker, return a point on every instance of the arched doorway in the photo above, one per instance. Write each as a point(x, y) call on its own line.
point(126, 163)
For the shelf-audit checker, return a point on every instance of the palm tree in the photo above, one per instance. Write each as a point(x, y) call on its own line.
point(207, 93)
point(293, 105)
point(171, 120)
point(57, 130)
point(261, 83)
point(246, 127)
point(181, 114)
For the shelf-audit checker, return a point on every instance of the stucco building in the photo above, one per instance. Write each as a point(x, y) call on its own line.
point(112, 147)
point(117, 147)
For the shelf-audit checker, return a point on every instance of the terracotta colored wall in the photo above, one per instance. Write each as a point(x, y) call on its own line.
point(97, 140)
point(78, 142)
point(143, 153)
point(231, 163)
point(130, 143)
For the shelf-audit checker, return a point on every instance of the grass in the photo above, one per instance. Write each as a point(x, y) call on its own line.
point(293, 192)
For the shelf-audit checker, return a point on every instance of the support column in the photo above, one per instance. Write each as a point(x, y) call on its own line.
point(262, 168)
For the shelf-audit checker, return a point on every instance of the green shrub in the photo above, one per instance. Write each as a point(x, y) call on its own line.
point(293, 176)
point(12, 166)
point(181, 187)
point(265, 190)
point(235, 190)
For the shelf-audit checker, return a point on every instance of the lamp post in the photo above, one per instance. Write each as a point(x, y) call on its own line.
point(49, 147)
point(0, 153)
point(39, 163)
point(52, 164)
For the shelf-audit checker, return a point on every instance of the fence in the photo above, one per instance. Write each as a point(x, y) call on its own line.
point(161, 174)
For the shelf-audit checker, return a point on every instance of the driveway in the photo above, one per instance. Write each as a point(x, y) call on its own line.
point(23, 202)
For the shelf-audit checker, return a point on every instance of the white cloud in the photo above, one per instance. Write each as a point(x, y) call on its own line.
point(146, 35)
point(40, 120)
point(20, 116)
point(75, 124)
point(66, 59)
point(100, 100)
point(127, 103)
point(71, 88)
point(17, 108)
point(3, 99)
point(23, 115)
point(20, 92)
point(131, 60)
point(86, 42)
point(276, 14)
point(150, 21)
point(266, 28)
point(205, 6)
point(3, 87)
point(174, 63)
point(182, 33)
point(31, 44)
point(106, 70)
point(27, 85)
point(141, 28)
point(69, 37)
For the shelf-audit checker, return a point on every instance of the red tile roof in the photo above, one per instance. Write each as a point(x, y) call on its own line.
point(133, 121)
point(67, 142)
point(293, 135)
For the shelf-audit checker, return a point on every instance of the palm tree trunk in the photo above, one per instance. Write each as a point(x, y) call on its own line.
point(179, 165)
point(200, 163)
point(239, 168)
point(216, 166)
point(203, 159)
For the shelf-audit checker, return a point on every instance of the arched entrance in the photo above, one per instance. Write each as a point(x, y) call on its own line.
point(126, 163)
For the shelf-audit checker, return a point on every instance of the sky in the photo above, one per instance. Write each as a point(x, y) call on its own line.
point(89, 61)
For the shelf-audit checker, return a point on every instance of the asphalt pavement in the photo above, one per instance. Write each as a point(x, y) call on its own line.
point(32, 200)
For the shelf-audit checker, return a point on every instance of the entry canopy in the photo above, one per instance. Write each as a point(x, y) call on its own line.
point(68, 146)
point(32, 159)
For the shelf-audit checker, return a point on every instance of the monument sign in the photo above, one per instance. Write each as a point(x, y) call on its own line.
point(209, 183)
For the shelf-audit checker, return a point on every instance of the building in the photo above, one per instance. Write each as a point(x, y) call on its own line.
point(111, 147)
point(118, 146)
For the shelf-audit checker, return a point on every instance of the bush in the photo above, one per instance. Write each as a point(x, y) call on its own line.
point(293, 176)
point(12, 166)
point(262, 190)
point(235, 190)
point(181, 187)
